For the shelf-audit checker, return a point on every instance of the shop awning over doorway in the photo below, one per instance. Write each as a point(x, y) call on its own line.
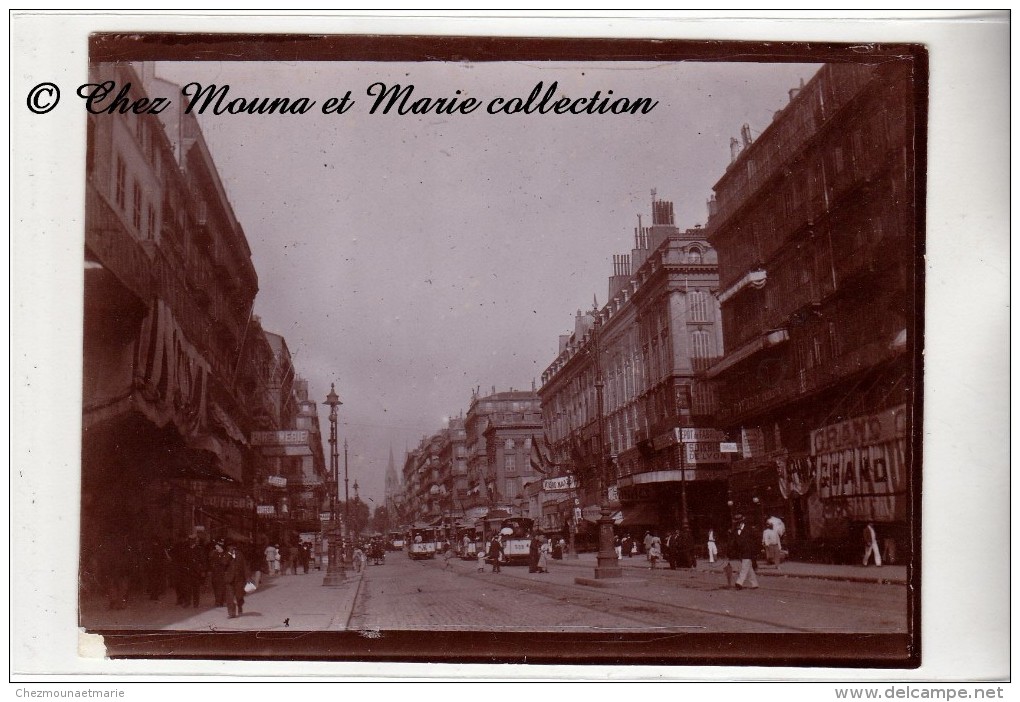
point(640, 514)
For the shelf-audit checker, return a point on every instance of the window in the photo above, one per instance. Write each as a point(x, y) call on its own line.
point(701, 344)
point(136, 205)
point(694, 255)
point(152, 222)
point(120, 184)
point(509, 445)
point(697, 303)
point(510, 463)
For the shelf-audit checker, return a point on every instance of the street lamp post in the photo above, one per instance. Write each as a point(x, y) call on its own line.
point(607, 565)
point(335, 572)
point(348, 551)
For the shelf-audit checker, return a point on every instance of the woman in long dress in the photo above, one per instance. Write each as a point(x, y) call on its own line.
point(543, 556)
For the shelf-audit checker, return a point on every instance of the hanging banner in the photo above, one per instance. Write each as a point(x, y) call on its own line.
point(862, 464)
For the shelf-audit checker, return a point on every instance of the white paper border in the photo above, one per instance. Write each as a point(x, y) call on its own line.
point(965, 592)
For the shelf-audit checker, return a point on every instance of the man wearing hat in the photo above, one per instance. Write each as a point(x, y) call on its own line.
point(235, 575)
point(219, 559)
point(746, 545)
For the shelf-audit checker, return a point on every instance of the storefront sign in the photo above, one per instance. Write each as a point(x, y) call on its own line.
point(294, 450)
point(288, 437)
point(276, 481)
point(861, 463)
point(226, 502)
point(566, 482)
point(691, 435)
point(752, 442)
point(266, 510)
point(728, 447)
point(698, 453)
point(860, 432)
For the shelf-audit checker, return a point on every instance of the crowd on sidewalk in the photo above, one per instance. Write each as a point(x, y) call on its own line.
point(120, 570)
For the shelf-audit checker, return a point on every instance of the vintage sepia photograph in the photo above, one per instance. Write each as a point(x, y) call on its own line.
point(487, 350)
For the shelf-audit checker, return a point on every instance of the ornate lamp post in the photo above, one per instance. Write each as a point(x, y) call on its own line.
point(607, 564)
point(348, 546)
point(335, 572)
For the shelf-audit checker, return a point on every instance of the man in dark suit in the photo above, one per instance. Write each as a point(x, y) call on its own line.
point(235, 576)
point(746, 543)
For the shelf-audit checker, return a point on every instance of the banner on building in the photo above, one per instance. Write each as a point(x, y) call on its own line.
point(276, 481)
point(862, 463)
point(796, 476)
point(287, 437)
point(565, 482)
point(171, 373)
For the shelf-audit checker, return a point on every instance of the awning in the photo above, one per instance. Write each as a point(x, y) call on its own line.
point(772, 338)
point(641, 514)
point(589, 517)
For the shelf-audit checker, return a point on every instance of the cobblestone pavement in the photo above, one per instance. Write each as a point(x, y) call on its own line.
point(430, 595)
point(406, 594)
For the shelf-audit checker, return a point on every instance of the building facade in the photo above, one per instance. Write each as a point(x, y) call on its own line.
point(815, 228)
point(177, 371)
point(498, 433)
point(655, 337)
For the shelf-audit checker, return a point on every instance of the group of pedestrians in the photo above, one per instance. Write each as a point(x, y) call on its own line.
point(279, 561)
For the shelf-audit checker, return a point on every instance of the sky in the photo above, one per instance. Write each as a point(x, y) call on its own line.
point(412, 258)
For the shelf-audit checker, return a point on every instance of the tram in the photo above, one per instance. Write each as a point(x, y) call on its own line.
point(516, 533)
point(395, 541)
point(421, 542)
point(467, 542)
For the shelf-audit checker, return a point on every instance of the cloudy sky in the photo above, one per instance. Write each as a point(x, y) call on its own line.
point(412, 258)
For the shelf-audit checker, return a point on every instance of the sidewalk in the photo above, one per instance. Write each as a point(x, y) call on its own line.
point(286, 602)
point(894, 574)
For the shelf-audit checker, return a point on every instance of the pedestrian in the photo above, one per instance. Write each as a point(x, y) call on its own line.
point(496, 553)
point(534, 552)
point(190, 565)
point(304, 556)
point(625, 545)
point(770, 540)
point(713, 550)
point(157, 562)
point(871, 545)
point(672, 549)
point(648, 542)
point(618, 547)
point(746, 546)
point(480, 557)
point(218, 562)
point(235, 577)
point(115, 571)
point(654, 553)
point(293, 557)
point(271, 555)
point(543, 559)
point(447, 555)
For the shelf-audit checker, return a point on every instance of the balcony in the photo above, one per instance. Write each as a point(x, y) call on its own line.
point(107, 238)
point(806, 381)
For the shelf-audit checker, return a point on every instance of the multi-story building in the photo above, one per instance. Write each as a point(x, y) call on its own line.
point(815, 229)
point(498, 430)
point(453, 470)
point(170, 393)
point(656, 336)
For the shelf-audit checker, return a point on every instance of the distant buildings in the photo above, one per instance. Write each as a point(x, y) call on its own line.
point(815, 229)
point(479, 462)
